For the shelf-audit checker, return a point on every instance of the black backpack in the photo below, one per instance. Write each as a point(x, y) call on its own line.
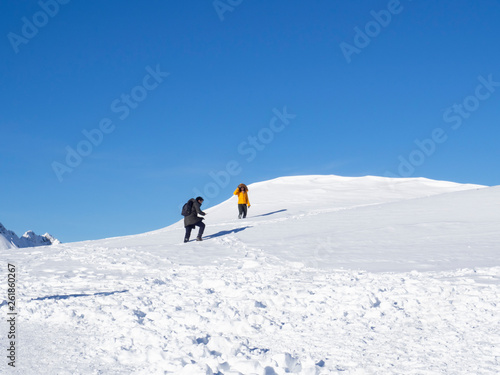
point(187, 208)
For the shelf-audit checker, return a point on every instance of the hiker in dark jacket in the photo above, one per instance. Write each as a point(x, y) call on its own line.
point(192, 220)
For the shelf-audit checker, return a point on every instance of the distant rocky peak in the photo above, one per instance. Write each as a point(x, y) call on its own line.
point(28, 239)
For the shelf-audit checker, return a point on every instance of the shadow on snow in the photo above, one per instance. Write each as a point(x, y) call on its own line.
point(226, 232)
point(271, 213)
point(66, 296)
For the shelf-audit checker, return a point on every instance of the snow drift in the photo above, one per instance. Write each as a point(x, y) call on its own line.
point(327, 275)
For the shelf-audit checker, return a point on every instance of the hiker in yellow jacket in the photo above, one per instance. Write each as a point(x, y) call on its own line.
point(243, 201)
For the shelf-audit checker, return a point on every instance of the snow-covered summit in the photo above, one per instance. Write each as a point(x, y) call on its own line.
point(333, 222)
point(326, 275)
point(9, 239)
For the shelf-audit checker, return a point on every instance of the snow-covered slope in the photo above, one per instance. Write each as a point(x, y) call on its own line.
point(5, 243)
point(370, 223)
point(327, 275)
point(9, 240)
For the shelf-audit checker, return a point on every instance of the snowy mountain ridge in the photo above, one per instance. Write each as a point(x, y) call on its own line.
point(9, 239)
point(326, 275)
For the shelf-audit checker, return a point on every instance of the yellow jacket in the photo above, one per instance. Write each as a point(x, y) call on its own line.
point(242, 197)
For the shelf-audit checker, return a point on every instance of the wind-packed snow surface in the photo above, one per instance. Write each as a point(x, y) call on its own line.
point(326, 275)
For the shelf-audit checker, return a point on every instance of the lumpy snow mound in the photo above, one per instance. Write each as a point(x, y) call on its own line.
point(10, 240)
point(326, 275)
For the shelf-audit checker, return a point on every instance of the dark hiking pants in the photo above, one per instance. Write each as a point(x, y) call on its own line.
point(242, 209)
point(189, 228)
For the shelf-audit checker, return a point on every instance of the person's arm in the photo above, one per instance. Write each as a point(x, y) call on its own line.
point(196, 206)
point(248, 201)
point(237, 191)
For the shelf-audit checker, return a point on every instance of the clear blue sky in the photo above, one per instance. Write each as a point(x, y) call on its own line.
point(168, 92)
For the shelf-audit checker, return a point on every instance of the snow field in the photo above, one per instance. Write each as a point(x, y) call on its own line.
point(276, 319)
point(327, 275)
